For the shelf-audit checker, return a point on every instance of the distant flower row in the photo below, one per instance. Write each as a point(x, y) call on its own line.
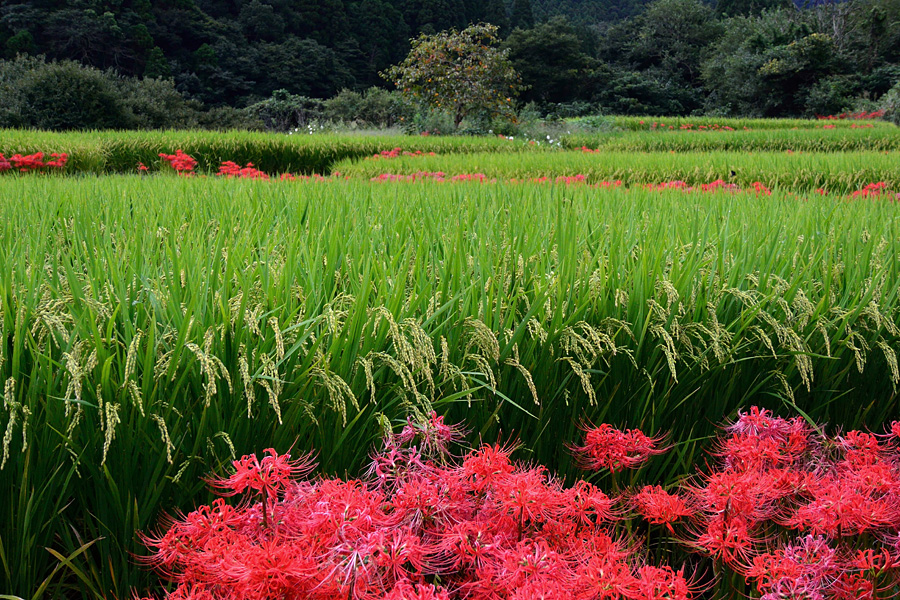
point(875, 114)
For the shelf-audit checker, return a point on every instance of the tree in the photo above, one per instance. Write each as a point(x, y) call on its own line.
point(463, 72)
point(551, 61)
point(522, 15)
point(733, 8)
point(656, 58)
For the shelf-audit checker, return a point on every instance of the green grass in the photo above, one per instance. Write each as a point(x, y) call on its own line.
point(839, 172)
point(153, 328)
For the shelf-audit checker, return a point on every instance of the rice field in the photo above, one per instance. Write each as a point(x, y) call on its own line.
point(155, 327)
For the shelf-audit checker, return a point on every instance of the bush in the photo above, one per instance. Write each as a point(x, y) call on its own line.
point(890, 104)
point(153, 103)
point(830, 96)
point(65, 95)
point(285, 111)
point(376, 107)
point(432, 122)
point(225, 118)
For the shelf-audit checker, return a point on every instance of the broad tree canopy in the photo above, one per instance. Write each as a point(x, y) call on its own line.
point(463, 72)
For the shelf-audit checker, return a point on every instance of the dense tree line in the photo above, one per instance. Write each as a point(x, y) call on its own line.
point(742, 57)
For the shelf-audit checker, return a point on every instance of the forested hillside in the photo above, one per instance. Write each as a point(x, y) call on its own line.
point(740, 57)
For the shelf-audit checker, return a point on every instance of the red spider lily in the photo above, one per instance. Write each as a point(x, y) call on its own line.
point(659, 506)
point(860, 448)
point(180, 161)
point(231, 170)
point(875, 114)
point(488, 528)
point(810, 565)
point(893, 433)
point(729, 538)
point(584, 505)
point(719, 185)
point(406, 590)
point(482, 468)
point(434, 435)
point(875, 190)
point(761, 189)
point(606, 447)
point(854, 586)
point(840, 508)
point(660, 583)
point(268, 476)
point(874, 562)
point(32, 162)
point(669, 185)
point(750, 494)
point(315, 177)
point(417, 176)
point(527, 496)
point(397, 152)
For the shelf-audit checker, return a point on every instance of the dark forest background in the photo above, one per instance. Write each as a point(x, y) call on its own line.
point(221, 63)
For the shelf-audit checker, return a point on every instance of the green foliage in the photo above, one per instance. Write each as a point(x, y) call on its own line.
point(890, 104)
point(155, 104)
point(157, 65)
point(766, 66)
point(22, 42)
point(551, 61)
point(66, 95)
point(676, 57)
point(734, 8)
point(285, 111)
point(521, 15)
point(654, 60)
point(831, 95)
point(462, 72)
point(376, 107)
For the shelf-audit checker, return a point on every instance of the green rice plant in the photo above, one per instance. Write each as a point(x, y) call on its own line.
point(152, 329)
point(122, 151)
point(839, 172)
point(645, 123)
point(763, 140)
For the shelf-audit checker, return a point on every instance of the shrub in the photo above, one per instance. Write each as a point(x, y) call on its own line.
point(66, 95)
point(376, 107)
point(285, 111)
point(153, 103)
point(890, 104)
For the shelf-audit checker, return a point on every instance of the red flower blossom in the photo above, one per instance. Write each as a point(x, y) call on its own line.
point(660, 507)
point(268, 476)
point(606, 447)
point(180, 161)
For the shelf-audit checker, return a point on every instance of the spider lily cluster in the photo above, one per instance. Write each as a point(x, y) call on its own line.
point(421, 524)
point(797, 513)
point(32, 162)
